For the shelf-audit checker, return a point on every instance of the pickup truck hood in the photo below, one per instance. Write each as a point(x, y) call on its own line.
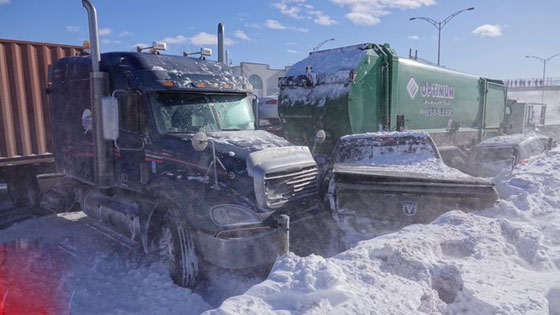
point(413, 179)
point(419, 173)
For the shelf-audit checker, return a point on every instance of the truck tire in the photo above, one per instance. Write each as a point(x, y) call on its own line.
point(24, 190)
point(177, 249)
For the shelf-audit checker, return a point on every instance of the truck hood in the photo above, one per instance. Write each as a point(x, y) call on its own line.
point(242, 143)
point(434, 172)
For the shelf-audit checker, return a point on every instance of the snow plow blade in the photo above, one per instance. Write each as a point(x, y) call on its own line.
point(408, 200)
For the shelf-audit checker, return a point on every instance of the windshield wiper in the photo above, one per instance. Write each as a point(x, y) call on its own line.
point(231, 129)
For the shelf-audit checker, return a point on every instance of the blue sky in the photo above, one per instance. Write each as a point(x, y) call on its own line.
point(282, 32)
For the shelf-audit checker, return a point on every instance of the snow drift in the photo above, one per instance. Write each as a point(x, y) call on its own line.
point(501, 260)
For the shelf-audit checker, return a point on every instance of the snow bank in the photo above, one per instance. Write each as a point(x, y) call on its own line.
point(100, 276)
point(330, 61)
point(503, 260)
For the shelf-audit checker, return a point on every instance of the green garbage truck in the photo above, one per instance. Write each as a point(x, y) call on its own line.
point(368, 87)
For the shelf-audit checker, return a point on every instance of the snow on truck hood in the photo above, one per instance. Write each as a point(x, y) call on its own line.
point(250, 140)
point(427, 169)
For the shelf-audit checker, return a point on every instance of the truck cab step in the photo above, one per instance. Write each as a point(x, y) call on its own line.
point(116, 236)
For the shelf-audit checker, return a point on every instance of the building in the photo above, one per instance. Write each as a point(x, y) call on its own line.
point(263, 79)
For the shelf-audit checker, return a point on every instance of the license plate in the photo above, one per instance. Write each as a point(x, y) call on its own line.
point(409, 208)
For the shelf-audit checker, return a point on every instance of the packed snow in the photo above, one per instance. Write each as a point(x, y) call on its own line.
point(393, 153)
point(502, 260)
point(329, 71)
point(330, 61)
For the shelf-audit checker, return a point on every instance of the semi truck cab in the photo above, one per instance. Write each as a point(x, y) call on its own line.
point(161, 152)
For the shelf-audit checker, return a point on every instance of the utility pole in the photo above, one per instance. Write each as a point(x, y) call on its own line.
point(544, 61)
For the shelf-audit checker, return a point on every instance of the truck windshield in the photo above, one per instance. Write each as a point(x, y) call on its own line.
point(191, 113)
point(384, 150)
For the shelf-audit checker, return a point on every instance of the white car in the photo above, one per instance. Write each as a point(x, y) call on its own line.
point(492, 156)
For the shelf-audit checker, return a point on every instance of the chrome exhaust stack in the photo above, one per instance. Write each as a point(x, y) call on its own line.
point(103, 153)
point(221, 52)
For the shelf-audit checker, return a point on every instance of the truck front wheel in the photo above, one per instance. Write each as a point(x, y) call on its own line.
point(177, 249)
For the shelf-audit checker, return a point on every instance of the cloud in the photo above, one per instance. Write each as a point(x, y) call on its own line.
point(324, 20)
point(105, 31)
point(414, 37)
point(300, 29)
point(125, 34)
point(241, 35)
point(300, 9)
point(291, 51)
point(253, 25)
point(179, 39)
point(5, 2)
point(369, 12)
point(109, 41)
point(286, 9)
point(204, 38)
point(71, 28)
point(488, 30)
point(275, 25)
point(360, 18)
point(290, 43)
point(199, 39)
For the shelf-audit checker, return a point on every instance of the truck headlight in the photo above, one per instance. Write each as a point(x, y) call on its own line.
point(229, 214)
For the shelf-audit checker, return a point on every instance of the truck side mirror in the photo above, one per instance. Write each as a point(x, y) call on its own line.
point(110, 114)
point(320, 137)
point(199, 141)
point(255, 104)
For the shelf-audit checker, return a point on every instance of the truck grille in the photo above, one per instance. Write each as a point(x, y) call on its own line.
point(281, 187)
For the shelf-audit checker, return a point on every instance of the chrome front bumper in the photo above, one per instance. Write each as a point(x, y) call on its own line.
point(227, 251)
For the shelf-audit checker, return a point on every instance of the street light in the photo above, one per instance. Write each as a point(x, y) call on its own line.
point(544, 61)
point(322, 43)
point(440, 25)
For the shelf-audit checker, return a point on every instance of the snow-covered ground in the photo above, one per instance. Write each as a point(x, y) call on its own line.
point(503, 260)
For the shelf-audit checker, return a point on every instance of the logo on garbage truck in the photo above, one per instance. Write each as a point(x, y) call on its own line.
point(435, 90)
point(412, 88)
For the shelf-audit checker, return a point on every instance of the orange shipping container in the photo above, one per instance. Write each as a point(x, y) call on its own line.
point(24, 111)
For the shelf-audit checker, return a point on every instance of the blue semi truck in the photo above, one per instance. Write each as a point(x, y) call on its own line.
point(162, 153)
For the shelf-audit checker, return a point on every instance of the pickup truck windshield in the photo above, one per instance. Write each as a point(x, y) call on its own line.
point(384, 150)
point(191, 113)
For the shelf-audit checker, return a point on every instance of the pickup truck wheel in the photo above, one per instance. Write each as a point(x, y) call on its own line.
point(177, 249)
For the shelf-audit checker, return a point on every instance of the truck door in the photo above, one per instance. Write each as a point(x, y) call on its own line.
point(132, 141)
point(493, 107)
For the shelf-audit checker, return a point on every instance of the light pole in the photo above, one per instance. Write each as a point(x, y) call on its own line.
point(322, 43)
point(544, 61)
point(440, 25)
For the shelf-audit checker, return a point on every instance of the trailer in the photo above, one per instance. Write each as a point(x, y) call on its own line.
point(368, 87)
point(26, 146)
